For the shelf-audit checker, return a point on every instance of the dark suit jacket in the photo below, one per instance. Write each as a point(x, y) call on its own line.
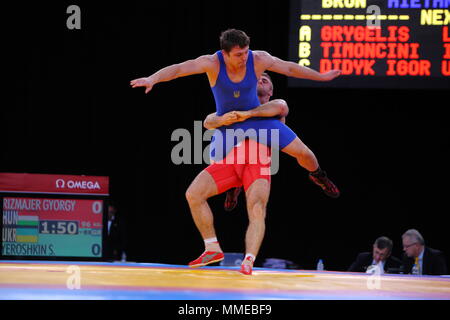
point(433, 262)
point(115, 242)
point(364, 259)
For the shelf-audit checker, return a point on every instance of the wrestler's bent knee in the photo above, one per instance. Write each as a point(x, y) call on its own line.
point(193, 195)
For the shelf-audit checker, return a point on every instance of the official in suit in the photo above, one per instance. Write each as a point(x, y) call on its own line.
point(379, 257)
point(419, 259)
point(115, 244)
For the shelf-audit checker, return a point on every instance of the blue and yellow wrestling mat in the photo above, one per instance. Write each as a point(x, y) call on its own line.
point(39, 280)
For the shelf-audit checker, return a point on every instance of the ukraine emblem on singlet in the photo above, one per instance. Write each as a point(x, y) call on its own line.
point(237, 94)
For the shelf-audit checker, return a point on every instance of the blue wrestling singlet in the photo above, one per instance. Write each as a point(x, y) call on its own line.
point(242, 96)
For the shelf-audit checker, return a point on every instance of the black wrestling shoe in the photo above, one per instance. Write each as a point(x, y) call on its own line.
point(322, 181)
point(232, 198)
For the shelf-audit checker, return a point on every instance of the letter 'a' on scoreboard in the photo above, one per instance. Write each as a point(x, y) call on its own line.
point(53, 217)
point(376, 44)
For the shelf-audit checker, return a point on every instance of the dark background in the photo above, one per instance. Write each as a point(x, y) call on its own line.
point(68, 109)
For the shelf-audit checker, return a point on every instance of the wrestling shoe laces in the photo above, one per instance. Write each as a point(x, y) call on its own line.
point(247, 268)
point(327, 186)
point(206, 258)
point(231, 199)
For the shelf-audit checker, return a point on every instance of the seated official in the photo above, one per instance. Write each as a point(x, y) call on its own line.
point(380, 256)
point(419, 259)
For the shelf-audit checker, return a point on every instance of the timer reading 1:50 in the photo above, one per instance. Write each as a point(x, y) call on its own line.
point(58, 227)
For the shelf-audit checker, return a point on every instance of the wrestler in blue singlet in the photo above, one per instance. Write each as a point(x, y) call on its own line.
point(242, 96)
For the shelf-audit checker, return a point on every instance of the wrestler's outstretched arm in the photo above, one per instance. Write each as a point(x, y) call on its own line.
point(202, 64)
point(274, 108)
point(265, 61)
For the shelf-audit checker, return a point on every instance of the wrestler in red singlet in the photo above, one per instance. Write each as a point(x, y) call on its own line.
point(246, 163)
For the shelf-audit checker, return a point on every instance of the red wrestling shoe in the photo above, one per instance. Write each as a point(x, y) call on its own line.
point(247, 268)
point(232, 198)
point(327, 186)
point(206, 258)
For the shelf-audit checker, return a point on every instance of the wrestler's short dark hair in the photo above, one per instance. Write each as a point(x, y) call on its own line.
point(384, 242)
point(231, 38)
point(265, 74)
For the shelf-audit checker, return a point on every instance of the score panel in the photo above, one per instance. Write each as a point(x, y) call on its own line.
point(376, 44)
point(46, 227)
point(53, 217)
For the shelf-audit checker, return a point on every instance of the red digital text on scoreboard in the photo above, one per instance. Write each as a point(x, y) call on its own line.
point(356, 49)
point(446, 58)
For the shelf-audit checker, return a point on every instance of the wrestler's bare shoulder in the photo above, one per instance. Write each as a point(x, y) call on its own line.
point(263, 61)
point(209, 59)
point(261, 55)
point(210, 62)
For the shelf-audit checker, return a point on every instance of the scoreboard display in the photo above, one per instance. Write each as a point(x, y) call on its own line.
point(53, 216)
point(52, 227)
point(375, 43)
